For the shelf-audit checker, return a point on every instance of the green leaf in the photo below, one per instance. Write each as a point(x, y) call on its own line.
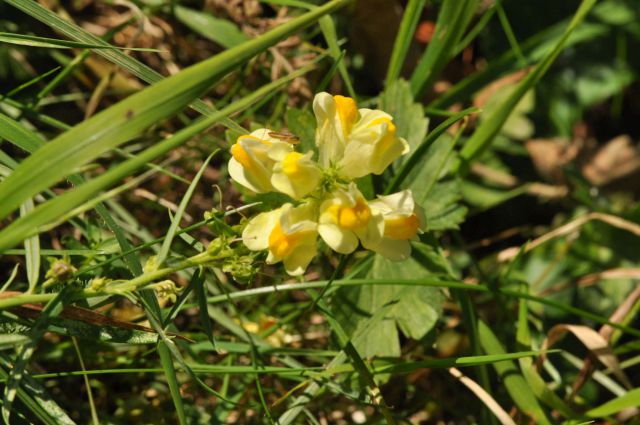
point(378, 311)
point(403, 41)
point(53, 43)
point(175, 222)
point(517, 126)
point(514, 383)
point(417, 156)
point(441, 207)
point(408, 116)
point(484, 198)
point(108, 334)
point(32, 250)
point(436, 164)
point(220, 31)
point(117, 57)
point(12, 340)
point(56, 208)
point(35, 397)
point(172, 380)
point(628, 400)
point(17, 374)
point(18, 135)
point(453, 19)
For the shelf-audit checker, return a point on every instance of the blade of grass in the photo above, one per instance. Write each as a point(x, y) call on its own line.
point(56, 208)
point(32, 250)
point(529, 372)
point(511, 37)
point(484, 135)
point(452, 22)
point(477, 28)
point(166, 245)
point(35, 397)
point(87, 384)
point(52, 309)
point(329, 32)
point(129, 117)
point(628, 400)
point(404, 39)
point(516, 386)
point(174, 387)
point(53, 43)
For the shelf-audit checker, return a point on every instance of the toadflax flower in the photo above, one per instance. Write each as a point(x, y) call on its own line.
point(403, 221)
point(289, 233)
point(294, 174)
point(355, 141)
point(345, 218)
point(251, 164)
point(352, 143)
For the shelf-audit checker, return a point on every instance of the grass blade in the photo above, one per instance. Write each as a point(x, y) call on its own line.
point(452, 22)
point(32, 250)
point(628, 400)
point(404, 38)
point(218, 30)
point(117, 57)
point(53, 43)
point(166, 245)
point(174, 387)
point(516, 386)
point(52, 309)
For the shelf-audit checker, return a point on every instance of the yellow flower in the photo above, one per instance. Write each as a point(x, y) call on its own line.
point(294, 173)
point(289, 233)
point(356, 141)
point(346, 218)
point(403, 220)
point(251, 164)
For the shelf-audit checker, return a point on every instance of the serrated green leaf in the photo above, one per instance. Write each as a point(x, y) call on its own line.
point(436, 164)
point(378, 311)
point(441, 207)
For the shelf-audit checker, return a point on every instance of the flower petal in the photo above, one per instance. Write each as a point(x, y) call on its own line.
point(256, 235)
point(342, 241)
point(393, 249)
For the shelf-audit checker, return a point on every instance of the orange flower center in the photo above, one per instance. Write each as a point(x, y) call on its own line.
point(402, 228)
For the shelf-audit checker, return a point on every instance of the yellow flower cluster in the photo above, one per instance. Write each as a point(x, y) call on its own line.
point(352, 143)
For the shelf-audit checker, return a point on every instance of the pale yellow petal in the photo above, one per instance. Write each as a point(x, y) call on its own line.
point(256, 234)
point(296, 175)
point(393, 249)
point(342, 241)
point(372, 233)
point(238, 174)
point(299, 260)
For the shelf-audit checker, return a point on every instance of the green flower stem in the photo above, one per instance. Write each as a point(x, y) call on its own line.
point(139, 282)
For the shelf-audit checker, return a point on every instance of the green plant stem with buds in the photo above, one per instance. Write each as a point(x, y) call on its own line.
point(126, 286)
